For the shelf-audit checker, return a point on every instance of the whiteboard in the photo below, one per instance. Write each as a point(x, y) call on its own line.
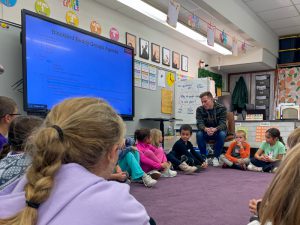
point(11, 83)
point(187, 98)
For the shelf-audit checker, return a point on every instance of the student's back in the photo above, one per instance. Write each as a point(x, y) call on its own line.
point(16, 162)
point(73, 155)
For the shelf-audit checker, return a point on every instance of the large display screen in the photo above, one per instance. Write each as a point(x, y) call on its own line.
point(61, 61)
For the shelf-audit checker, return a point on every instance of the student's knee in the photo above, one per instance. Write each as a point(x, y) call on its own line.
point(222, 135)
point(200, 135)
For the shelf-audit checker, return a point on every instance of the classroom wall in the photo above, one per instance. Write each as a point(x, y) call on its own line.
point(91, 10)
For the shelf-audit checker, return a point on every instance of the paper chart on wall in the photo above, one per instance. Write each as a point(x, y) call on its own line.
point(166, 101)
point(161, 78)
point(145, 76)
point(137, 74)
point(152, 77)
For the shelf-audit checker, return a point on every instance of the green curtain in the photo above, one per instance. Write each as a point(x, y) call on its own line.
point(216, 77)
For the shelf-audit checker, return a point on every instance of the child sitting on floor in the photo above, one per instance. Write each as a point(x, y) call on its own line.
point(238, 152)
point(129, 163)
point(183, 151)
point(269, 155)
point(152, 161)
point(156, 141)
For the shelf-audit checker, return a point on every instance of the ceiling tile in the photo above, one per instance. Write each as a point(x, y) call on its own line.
point(259, 5)
point(280, 13)
point(298, 7)
point(283, 23)
point(288, 30)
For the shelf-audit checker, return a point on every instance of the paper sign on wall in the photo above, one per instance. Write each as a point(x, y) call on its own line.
point(210, 35)
point(166, 101)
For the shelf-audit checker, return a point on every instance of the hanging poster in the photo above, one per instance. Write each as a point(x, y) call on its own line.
point(173, 12)
point(210, 35)
point(161, 78)
point(152, 77)
point(166, 101)
point(234, 49)
point(137, 74)
point(145, 75)
point(42, 7)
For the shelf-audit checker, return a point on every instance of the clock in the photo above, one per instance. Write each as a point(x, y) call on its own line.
point(170, 79)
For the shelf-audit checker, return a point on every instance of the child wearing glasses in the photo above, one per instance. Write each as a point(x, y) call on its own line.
point(237, 155)
point(8, 111)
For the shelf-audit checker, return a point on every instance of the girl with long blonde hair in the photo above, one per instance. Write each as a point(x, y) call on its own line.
point(73, 154)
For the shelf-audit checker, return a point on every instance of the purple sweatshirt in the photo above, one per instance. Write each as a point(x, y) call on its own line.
point(79, 197)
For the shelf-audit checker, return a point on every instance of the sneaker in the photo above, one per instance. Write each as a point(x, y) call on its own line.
point(154, 174)
point(251, 167)
point(215, 162)
point(169, 173)
point(148, 181)
point(187, 169)
point(274, 170)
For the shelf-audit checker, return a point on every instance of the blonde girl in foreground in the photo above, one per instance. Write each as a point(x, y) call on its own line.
point(74, 153)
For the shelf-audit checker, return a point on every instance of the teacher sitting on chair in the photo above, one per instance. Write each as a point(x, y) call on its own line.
point(211, 124)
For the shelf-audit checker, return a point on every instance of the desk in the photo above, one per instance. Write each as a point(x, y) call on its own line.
point(161, 123)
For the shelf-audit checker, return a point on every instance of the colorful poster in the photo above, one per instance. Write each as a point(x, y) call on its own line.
point(166, 101)
point(152, 73)
point(71, 4)
point(152, 86)
point(42, 7)
point(72, 18)
point(95, 27)
point(145, 71)
point(145, 84)
point(261, 132)
point(161, 78)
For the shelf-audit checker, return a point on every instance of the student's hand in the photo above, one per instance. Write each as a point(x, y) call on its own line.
point(165, 165)
point(263, 158)
point(134, 148)
point(213, 130)
point(204, 165)
point(118, 169)
point(121, 176)
point(240, 162)
point(253, 205)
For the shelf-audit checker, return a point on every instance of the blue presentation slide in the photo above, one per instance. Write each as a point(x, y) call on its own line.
point(63, 63)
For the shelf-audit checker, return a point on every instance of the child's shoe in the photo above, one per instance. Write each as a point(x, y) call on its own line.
point(148, 181)
point(169, 173)
point(187, 169)
point(216, 162)
point(251, 167)
point(154, 174)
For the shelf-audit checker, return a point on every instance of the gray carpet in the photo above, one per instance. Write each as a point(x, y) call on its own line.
point(216, 196)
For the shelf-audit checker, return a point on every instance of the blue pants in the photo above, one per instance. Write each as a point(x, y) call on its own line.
point(219, 137)
point(131, 163)
point(266, 166)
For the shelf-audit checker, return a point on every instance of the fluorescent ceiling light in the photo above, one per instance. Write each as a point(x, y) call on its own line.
point(161, 17)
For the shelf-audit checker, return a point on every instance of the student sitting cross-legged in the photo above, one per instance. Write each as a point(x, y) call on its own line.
point(152, 160)
point(183, 155)
point(129, 162)
point(269, 155)
point(156, 141)
point(238, 152)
